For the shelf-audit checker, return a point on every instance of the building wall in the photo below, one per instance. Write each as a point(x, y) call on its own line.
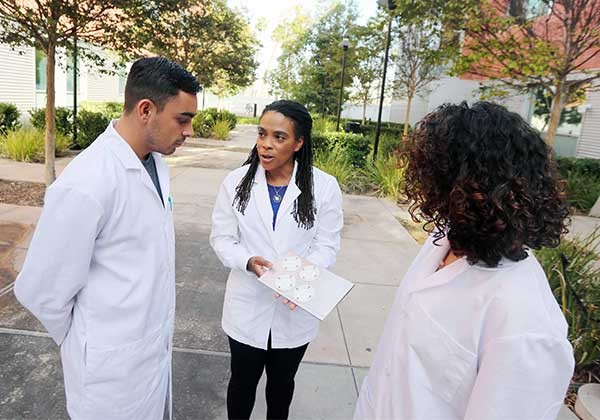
point(589, 140)
point(17, 77)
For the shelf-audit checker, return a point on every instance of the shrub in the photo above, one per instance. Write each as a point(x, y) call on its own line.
point(110, 109)
point(336, 163)
point(387, 175)
point(323, 125)
point(583, 190)
point(204, 121)
point(63, 120)
point(221, 129)
point(576, 287)
point(27, 145)
point(388, 144)
point(90, 126)
point(356, 146)
point(585, 166)
point(247, 120)
point(9, 117)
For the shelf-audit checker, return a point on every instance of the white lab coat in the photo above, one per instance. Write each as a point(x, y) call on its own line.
point(250, 310)
point(469, 342)
point(100, 276)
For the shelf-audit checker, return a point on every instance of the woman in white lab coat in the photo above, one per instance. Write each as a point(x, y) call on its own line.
point(475, 332)
point(276, 203)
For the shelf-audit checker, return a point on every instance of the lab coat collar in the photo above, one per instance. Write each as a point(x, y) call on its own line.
point(424, 275)
point(261, 196)
point(130, 161)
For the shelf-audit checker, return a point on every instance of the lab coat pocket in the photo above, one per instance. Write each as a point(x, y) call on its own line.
point(119, 379)
point(443, 366)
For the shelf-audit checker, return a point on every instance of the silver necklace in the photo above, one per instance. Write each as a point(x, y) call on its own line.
point(277, 197)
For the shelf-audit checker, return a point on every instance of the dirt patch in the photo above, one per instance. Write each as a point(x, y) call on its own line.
point(11, 234)
point(22, 193)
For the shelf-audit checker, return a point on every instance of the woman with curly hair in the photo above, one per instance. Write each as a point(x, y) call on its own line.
point(475, 332)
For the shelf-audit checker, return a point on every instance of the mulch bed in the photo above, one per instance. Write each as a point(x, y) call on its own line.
point(22, 193)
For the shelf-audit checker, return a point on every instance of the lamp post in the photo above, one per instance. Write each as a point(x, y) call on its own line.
point(344, 44)
point(391, 5)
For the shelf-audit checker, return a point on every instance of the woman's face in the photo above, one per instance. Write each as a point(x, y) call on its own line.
point(276, 142)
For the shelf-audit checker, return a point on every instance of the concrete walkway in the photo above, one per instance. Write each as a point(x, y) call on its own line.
point(376, 251)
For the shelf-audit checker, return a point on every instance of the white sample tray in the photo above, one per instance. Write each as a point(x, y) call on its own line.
point(313, 288)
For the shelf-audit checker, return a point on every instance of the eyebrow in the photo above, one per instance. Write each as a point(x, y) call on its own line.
point(188, 114)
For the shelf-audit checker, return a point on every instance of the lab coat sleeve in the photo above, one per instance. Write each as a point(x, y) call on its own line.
point(224, 236)
point(521, 377)
point(330, 218)
point(59, 256)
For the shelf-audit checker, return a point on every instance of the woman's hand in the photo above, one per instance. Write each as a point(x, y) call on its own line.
point(288, 302)
point(258, 265)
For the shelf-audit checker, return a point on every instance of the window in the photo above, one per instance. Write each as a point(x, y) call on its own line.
point(40, 70)
point(528, 9)
point(122, 81)
point(70, 74)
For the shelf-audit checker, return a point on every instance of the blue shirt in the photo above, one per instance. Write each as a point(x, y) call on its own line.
point(275, 204)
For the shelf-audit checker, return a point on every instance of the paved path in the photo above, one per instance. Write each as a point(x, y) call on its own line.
point(376, 251)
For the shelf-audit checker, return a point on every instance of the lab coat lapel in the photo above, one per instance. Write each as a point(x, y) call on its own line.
point(163, 177)
point(424, 276)
point(260, 195)
point(292, 192)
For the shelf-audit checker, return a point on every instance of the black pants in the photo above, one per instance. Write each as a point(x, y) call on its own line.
point(247, 364)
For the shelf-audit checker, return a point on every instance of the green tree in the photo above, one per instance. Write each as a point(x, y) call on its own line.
point(529, 49)
point(310, 67)
point(206, 37)
point(368, 67)
point(51, 24)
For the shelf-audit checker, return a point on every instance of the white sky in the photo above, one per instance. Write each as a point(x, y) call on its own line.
point(273, 11)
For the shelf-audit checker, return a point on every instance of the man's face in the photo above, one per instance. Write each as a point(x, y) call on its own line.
point(168, 129)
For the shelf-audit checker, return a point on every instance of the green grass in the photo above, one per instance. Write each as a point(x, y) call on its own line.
point(583, 190)
point(27, 145)
point(336, 163)
point(221, 130)
point(387, 176)
point(248, 120)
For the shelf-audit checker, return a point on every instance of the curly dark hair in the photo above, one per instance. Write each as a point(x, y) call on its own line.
point(484, 178)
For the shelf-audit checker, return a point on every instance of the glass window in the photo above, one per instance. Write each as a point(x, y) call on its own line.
point(40, 70)
point(70, 74)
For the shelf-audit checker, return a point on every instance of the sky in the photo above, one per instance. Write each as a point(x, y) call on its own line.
point(271, 12)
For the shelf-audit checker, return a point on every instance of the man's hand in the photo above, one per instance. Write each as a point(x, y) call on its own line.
point(258, 265)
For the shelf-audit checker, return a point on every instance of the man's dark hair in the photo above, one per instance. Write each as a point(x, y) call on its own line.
point(484, 178)
point(304, 206)
point(157, 79)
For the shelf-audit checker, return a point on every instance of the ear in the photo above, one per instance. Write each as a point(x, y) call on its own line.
point(145, 108)
point(299, 144)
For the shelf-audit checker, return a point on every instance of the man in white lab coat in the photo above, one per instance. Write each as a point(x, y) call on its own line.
point(100, 271)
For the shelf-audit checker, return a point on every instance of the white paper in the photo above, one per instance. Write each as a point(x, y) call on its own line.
point(313, 288)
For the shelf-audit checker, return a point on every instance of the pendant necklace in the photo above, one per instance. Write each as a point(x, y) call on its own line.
point(276, 196)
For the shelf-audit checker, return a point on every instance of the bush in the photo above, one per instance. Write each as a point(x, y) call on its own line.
point(582, 190)
point(583, 181)
point(577, 290)
point(221, 130)
point(63, 120)
point(90, 126)
point(27, 144)
point(112, 110)
point(323, 125)
point(388, 144)
point(248, 120)
point(585, 166)
point(204, 121)
point(336, 163)
point(9, 117)
point(356, 146)
point(387, 175)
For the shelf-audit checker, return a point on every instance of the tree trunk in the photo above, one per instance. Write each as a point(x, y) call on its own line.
point(558, 104)
point(364, 111)
point(50, 114)
point(407, 115)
